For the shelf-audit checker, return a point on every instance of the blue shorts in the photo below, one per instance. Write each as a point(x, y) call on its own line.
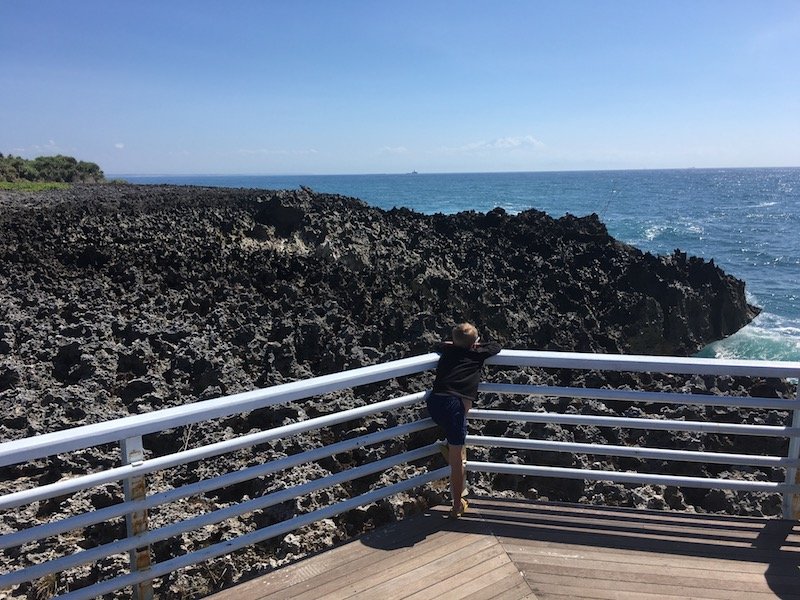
point(449, 414)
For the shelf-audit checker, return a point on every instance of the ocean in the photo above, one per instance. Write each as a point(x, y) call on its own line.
point(747, 220)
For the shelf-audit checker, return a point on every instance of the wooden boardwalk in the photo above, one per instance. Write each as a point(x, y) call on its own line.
point(509, 549)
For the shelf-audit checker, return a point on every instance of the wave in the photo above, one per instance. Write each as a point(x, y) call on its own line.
point(768, 337)
point(653, 232)
point(683, 227)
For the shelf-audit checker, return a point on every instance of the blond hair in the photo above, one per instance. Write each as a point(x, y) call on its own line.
point(465, 335)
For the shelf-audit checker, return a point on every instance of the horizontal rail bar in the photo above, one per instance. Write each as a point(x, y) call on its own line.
point(640, 363)
point(637, 396)
point(68, 486)
point(248, 539)
point(752, 460)
point(631, 477)
point(92, 435)
point(657, 424)
point(108, 513)
point(154, 535)
point(111, 431)
point(47, 444)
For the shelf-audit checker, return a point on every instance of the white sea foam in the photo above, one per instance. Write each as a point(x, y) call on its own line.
point(678, 228)
point(775, 325)
point(768, 337)
point(653, 232)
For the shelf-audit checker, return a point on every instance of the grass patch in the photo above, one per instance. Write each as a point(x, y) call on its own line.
point(32, 186)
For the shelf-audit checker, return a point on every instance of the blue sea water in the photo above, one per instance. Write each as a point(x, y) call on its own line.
point(747, 220)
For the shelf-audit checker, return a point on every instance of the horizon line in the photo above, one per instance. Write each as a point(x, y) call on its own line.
point(413, 173)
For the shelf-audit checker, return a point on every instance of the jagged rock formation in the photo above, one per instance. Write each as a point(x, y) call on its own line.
point(169, 293)
point(123, 299)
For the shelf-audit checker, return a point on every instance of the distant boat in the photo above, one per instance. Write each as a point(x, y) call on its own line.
point(413, 173)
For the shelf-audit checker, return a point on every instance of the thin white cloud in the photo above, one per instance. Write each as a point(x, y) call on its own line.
point(268, 152)
point(503, 143)
point(394, 150)
point(517, 142)
point(119, 145)
point(50, 146)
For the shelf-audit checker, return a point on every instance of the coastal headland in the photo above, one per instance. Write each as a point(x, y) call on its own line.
point(123, 299)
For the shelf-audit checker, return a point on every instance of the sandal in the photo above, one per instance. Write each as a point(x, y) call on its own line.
point(455, 513)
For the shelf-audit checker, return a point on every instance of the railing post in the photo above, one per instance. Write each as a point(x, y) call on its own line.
point(791, 502)
point(135, 488)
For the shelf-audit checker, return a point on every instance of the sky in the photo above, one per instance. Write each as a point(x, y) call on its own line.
point(346, 86)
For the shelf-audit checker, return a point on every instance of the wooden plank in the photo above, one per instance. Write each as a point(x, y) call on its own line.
point(588, 524)
point(520, 591)
point(622, 513)
point(727, 527)
point(664, 544)
point(510, 585)
point(656, 578)
point(406, 576)
point(327, 565)
point(636, 567)
point(673, 518)
point(399, 533)
point(468, 576)
point(568, 593)
point(565, 592)
point(521, 549)
point(376, 562)
point(432, 583)
point(372, 566)
point(565, 551)
point(541, 583)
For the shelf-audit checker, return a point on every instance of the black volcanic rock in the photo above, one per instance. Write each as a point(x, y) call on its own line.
point(193, 274)
point(162, 295)
point(125, 299)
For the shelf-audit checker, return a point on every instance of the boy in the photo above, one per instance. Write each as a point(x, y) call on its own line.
point(454, 390)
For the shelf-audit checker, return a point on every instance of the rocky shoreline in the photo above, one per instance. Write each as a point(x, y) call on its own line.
point(122, 299)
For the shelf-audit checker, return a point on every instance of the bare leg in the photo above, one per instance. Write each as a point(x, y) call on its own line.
point(456, 457)
point(456, 474)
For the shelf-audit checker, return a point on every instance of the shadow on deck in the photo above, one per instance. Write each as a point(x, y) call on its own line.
point(514, 549)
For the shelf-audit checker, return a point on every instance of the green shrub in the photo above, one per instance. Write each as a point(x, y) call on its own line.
point(63, 169)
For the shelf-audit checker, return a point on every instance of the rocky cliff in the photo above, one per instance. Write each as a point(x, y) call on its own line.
point(124, 299)
point(159, 295)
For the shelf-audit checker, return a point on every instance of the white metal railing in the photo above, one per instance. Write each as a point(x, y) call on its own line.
point(135, 465)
